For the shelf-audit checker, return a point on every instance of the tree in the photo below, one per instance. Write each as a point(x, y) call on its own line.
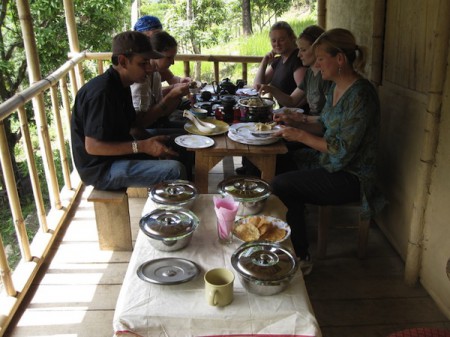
point(246, 18)
point(97, 21)
point(197, 23)
point(265, 10)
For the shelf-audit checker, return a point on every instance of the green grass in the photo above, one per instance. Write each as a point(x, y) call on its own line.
point(256, 45)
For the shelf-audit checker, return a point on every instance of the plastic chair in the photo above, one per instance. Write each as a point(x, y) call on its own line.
point(324, 223)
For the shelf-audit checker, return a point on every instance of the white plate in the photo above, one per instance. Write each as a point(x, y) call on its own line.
point(253, 140)
point(247, 92)
point(241, 133)
point(283, 109)
point(194, 141)
point(274, 221)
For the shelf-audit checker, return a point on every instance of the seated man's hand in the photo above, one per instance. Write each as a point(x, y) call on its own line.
point(156, 147)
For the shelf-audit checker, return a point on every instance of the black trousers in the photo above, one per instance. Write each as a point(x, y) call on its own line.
point(318, 187)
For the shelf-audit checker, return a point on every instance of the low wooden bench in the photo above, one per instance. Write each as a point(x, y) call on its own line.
point(112, 215)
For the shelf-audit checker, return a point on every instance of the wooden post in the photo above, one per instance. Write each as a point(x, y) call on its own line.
point(322, 13)
point(428, 156)
point(34, 74)
point(377, 42)
point(72, 33)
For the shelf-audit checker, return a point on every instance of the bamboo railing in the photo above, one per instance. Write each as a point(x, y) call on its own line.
point(33, 254)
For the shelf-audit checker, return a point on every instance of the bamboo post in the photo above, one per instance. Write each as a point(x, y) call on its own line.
point(13, 196)
point(244, 71)
point(322, 13)
point(5, 271)
point(38, 101)
point(216, 71)
point(187, 69)
point(73, 82)
point(65, 100)
point(100, 67)
point(60, 137)
point(439, 70)
point(66, 106)
point(377, 41)
point(72, 33)
point(34, 178)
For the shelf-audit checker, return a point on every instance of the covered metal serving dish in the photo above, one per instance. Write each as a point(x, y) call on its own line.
point(255, 109)
point(177, 193)
point(169, 229)
point(250, 192)
point(264, 268)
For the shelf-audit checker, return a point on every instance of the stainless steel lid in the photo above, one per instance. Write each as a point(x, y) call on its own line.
point(169, 223)
point(168, 270)
point(244, 188)
point(173, 192)
point(264, 261)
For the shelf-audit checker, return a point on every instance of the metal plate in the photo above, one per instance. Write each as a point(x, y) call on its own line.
point(168, 271)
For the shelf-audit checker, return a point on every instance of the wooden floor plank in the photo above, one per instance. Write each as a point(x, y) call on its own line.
point(350, 297)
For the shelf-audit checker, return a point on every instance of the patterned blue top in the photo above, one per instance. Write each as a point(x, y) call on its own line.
point(351, 132)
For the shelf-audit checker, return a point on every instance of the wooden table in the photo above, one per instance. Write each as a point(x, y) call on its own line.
point(180, 310)
point(263, 157)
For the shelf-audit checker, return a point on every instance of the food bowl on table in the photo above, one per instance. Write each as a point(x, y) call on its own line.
point(174, 193)
point(255, 109)
point(261, 228)
point(250, 192)
point(169, 229)
point(199, 113)
point(264, 268)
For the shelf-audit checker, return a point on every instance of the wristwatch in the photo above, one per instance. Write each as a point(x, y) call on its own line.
point(134, 146)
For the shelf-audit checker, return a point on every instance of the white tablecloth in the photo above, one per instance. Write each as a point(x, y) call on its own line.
point(151, 310)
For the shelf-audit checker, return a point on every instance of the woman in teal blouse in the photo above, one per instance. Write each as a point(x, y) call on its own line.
point(345, 138)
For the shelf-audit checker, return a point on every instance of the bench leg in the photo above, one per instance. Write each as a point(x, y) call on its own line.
point(113, 225)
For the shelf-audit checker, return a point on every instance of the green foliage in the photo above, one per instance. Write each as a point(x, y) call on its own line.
point(256, 45)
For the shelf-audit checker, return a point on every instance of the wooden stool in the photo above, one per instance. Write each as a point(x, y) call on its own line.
point(112, 215)
point(325, 221)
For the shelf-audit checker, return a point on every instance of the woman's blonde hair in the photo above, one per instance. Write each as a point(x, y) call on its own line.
point(340, 40)
point(283, 25)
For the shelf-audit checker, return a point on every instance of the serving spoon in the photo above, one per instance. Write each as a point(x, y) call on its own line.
point(204, 127)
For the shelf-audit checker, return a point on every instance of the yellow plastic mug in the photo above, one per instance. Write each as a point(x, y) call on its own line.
point(219, 286)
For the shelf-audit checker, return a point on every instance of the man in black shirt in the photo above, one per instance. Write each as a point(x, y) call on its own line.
point(105, 153)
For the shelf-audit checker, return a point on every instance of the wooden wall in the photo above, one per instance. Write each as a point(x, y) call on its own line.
point(414, 92)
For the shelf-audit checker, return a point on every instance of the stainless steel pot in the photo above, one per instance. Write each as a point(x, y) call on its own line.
point(169, 229)
point(174, 193)
point(251, 193)
point(255, 110)
point(264, 268)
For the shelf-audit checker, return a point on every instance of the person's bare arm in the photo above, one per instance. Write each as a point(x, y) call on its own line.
point(297, 135)
point(291, 100)
point(167, 105)
point(265, 71)
point(153, 146)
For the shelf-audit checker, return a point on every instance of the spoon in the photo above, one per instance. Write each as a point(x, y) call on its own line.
point(204, 127)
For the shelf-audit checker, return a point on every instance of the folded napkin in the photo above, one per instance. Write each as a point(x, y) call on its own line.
point(226, 209)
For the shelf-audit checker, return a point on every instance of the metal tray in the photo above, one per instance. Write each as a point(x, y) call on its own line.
point(168, 271)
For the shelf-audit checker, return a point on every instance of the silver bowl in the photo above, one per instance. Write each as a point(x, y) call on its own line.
point(169, 229)
point(264, 268)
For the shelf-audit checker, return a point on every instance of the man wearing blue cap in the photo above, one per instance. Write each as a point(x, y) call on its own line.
point(149, 25)
point(104, 151)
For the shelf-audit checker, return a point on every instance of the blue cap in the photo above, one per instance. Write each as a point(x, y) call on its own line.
point(147, 23)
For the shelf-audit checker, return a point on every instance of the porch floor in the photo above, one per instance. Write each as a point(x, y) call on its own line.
point(76, 295)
